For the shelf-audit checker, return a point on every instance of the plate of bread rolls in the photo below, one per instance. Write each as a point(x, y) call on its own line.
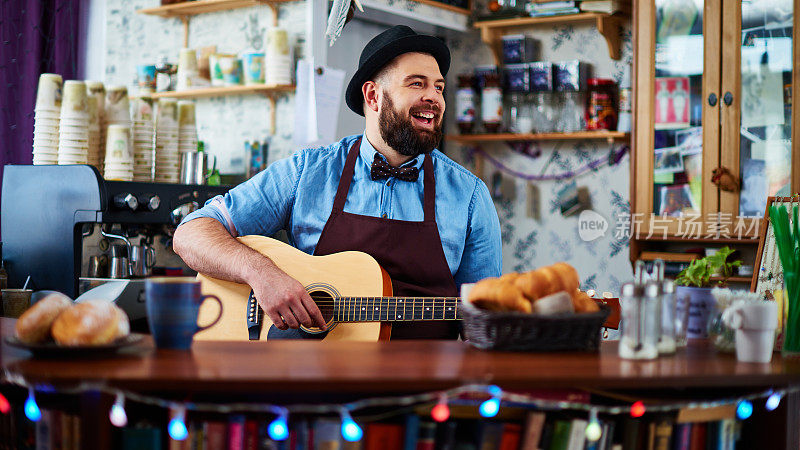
point(56, 326)
point(539, 310)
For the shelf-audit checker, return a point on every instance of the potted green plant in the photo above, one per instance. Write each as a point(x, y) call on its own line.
point(695, 284)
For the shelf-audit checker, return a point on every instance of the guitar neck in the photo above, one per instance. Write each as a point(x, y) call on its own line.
point(396, 309)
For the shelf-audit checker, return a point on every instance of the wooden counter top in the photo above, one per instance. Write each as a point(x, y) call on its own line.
point(339, 367)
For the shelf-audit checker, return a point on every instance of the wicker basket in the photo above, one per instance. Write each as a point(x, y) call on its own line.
point(515, 331)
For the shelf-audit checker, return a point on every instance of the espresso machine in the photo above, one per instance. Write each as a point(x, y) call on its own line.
point(59, 222)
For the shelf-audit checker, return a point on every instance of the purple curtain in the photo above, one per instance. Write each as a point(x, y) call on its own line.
point(36, 36)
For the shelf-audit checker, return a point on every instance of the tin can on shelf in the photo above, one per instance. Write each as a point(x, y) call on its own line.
point(601, 112)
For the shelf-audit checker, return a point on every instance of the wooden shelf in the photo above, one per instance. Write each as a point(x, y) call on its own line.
point(272, 92)
point(733, 241)
point(193, 8)
point(608, 25)
point(505, 137)
point(185, 10)
point(219, 91)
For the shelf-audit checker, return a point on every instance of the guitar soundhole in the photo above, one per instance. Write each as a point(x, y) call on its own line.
point(324, 301)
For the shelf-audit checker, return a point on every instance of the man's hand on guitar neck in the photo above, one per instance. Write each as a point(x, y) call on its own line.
point(207, 247)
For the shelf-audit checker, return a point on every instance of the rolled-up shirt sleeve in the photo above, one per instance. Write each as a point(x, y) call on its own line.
point(482, 256)
point(261, 205)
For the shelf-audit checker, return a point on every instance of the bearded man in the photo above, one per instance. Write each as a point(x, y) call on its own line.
point(428, 221)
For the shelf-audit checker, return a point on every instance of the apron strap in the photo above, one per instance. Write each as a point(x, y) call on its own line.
point(347, 177)
point(429, 191)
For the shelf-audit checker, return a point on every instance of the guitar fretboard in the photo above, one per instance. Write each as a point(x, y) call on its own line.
point(379, 309)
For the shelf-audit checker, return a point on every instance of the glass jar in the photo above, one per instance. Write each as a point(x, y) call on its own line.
point(465, 103)
point(601, 112)
point(639, 328)
point(543, 112)
point(492, 103)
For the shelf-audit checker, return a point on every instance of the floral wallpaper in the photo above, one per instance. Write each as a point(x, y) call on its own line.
point(527, 242)
point(226, 122)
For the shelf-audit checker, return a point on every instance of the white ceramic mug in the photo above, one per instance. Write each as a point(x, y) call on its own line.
point(755, 324)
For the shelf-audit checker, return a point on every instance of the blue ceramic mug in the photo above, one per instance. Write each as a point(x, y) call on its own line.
point(173, 304)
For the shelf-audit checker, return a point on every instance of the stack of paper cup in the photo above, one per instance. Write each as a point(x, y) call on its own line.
point(98, 91)
point(118, 161)
point(46, 118)
point(95, 154)
point(279, 58)
point(117, 107)
point(187, 69)
point(143, 139)
point(187, 127)
point(167, 157)
point(73, 132)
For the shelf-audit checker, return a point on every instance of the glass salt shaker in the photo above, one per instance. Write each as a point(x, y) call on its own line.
point(639, 335)
point(666, 340)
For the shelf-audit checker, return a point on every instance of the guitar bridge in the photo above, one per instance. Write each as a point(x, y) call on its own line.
point(255, 316)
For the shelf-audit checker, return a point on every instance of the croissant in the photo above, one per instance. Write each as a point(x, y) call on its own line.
point(583, 303)
point(498, 294)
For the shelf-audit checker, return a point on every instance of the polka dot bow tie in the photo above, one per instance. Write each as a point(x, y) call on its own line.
point(381, 169)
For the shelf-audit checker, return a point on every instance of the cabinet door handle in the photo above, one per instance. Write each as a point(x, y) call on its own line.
point(712, 99)
point(728, 98)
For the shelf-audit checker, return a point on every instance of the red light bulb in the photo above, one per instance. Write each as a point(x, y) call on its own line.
point(4, 406)
point(637, 409)
point(440, 412)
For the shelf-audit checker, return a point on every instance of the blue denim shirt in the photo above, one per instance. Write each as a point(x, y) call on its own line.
point(296, 194)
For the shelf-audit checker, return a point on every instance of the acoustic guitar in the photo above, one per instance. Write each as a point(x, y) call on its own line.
point(353, 292)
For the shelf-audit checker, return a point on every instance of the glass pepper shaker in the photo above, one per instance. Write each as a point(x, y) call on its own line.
point(639, 335)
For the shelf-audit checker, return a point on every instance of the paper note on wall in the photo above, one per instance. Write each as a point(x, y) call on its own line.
point(319, 95)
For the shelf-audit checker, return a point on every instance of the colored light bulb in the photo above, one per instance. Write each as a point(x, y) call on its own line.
point(351, 432)
point(117, 414)
point(637, 409)
point(490, 407)
point(440, 412)
point(744, 410)
point(5, 407)
point(32, 411)
point(593, 431)
point(177, 429)
point(773, 401)
point(278, 429)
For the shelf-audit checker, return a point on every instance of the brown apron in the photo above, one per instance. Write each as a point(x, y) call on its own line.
point(411, 252)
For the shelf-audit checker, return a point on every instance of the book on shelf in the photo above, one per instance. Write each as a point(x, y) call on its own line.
point(412, 432)
point(426, 436)
point(491, 432)
point(605, 6)
point(577, 434)
point(532, 433)
point(555, 12)
point(383, 436)
point(511, 437)
point(216, 434)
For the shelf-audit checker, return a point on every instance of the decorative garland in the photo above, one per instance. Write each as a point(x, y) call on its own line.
point(613, 158)
point(279, 429)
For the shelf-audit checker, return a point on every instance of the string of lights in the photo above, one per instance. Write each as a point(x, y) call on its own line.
point(278, 428)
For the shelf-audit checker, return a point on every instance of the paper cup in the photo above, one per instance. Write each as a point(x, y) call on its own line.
point(49, 92)
point(253, 68)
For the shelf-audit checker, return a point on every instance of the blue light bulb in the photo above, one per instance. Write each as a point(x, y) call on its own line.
point(773, 401)
point(278, 429)
point(490, 407)
point(744, 410)
point(495, 391)
point(177, 429)
point(351, 432)
point(32, 411)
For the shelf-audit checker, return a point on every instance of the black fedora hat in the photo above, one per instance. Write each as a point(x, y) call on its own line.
point(385, 47)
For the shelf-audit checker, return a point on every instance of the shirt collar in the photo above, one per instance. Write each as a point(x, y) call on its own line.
point(367, 154)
